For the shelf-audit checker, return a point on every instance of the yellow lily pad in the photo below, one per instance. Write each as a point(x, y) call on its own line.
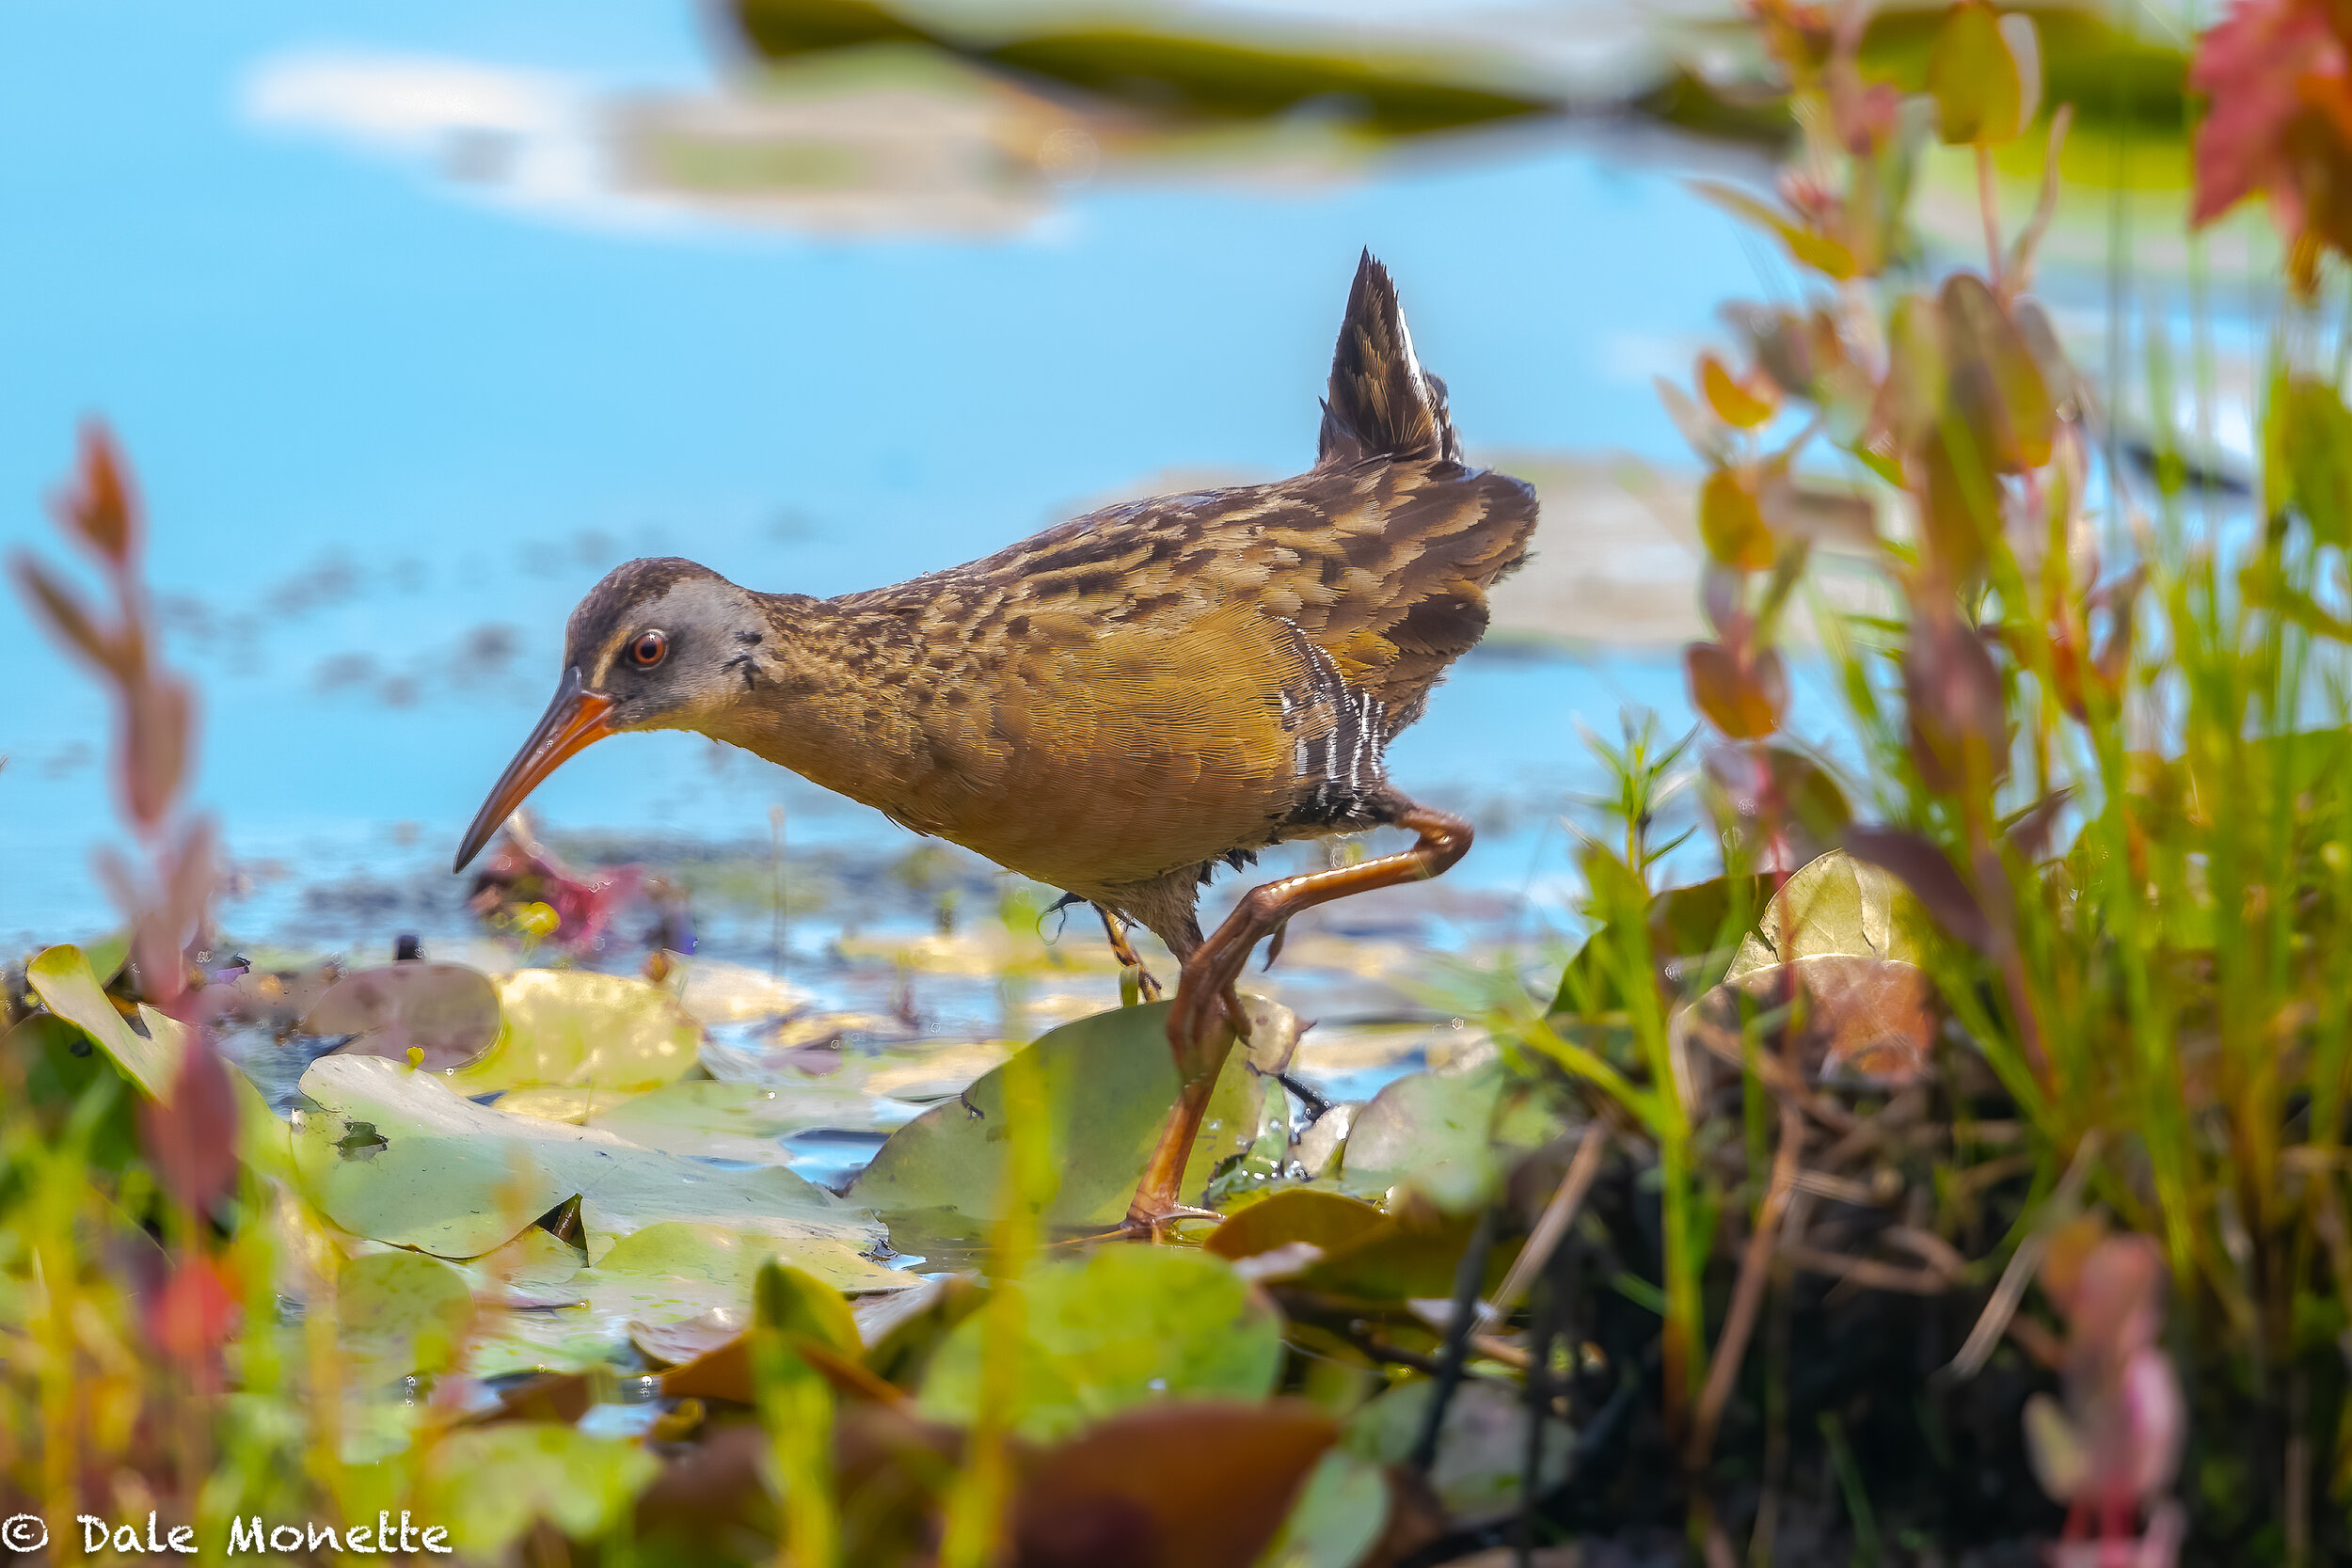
point(572, 1028)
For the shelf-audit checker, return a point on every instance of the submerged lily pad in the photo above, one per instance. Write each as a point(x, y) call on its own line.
point(572, 1028)
point(397, 1156)
point(448, 1011)
point(1123, 1327)
point(1108, 1082)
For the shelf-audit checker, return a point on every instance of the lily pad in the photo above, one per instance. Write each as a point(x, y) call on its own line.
point(1340, 1513)
point(663, 1276)
point(400, 1312)
point(1123, 1327)
point(397, 1156)
point(448, 1011)
point(1448, 1136)
point(62, 978)
point(1108, 1083)
point(1482, 1443)
point(573, 1028)
point(486, 1485)
point(721, 1122)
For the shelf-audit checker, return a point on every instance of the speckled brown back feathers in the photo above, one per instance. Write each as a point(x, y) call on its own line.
point(1130, 696)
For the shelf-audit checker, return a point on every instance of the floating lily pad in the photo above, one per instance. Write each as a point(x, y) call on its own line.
point(714, 1120)
point(486, 1485)
point(573, 1028)
point(400, 1312)
point(1108, 1082)
point(1482, 1443)
point(1449, 1136)
point(62, 978)
point(1320, 1219)
point(665, 1274)
point(397, 1156)
point(1123, 1327)
point(448, 1011)
point(1340, 1513)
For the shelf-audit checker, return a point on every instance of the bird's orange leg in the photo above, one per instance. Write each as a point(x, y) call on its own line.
point(1146, 982)
point(1201, 1037)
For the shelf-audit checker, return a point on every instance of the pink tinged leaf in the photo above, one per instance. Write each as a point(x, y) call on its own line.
point(2157, 1416)
point(155, 747)
point(2249, 68)
point(1743, 699)
point(1958, 716)
point(192, 1138)
point(69, 618)
point(193, 874)
point(1930, 877)
point(193, 1314)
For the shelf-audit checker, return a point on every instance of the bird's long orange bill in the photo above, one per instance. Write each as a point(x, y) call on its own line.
point(574, 720)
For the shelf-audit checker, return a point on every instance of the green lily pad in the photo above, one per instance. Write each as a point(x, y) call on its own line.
point(397, 1156)
point(1339, 1515)
point(1122, 1327)
point(661, 1275)
point(62, 978)
point(486, 1485)
point(1108, 1083)
point(706, 1118)
point(398, 1313)
point(1448, 1135)
point(571, 1028)
point(1482, 1443)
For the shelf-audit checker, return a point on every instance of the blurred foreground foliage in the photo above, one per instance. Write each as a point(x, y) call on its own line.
point(1831, 1205)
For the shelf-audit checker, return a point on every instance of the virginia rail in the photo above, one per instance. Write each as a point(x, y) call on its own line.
point(1121, 704)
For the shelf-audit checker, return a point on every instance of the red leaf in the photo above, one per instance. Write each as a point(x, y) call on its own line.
point(192, 1138)
point(156, 724)
point(1200, 1485)
point(1958, 722)
point(69, 619)
point(101, 506)
point(1744, 700)
point(193, 1314)
point(1930, 877)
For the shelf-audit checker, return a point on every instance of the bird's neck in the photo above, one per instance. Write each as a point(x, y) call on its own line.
point(829, 697)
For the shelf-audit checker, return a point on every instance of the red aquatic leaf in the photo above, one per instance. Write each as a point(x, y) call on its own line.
point(2279, 121)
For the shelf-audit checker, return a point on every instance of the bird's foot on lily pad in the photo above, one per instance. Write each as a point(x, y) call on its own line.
point(1151, 1225)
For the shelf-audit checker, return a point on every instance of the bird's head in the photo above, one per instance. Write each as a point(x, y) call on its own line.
point(659, 644)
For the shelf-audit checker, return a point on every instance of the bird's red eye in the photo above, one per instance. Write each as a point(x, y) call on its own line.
point(648, 650)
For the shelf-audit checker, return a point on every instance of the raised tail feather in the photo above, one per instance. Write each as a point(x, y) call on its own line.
point(1382, 403)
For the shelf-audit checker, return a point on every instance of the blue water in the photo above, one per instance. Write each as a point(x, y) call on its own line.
point(387, 425)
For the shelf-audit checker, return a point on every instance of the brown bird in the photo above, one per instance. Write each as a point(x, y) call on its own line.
point(1122, 703)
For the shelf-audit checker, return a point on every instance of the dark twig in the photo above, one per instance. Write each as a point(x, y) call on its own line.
point(1459, 1324)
